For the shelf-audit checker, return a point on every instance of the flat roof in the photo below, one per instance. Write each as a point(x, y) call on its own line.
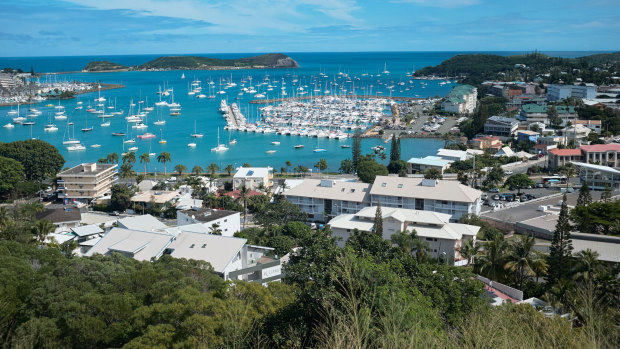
point(87, 169)
point(86, 230)
point(414, 188)
point(601, 147)
point(60, 215)
point(596, 167)
point(158, 197)
point(206, 215)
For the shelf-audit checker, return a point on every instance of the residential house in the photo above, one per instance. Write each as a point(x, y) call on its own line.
point(253, 178)
point(62, 217)
point(505, 151)
point(228, 222)
point(500, 126)
point(575, 133)
point(87, 181)
point(443, 238)
point(416, 165)
point(525, 135)
point(143, 223)
point(461, 100)
point(453, 155)
point(486, 142)
point(594, 125)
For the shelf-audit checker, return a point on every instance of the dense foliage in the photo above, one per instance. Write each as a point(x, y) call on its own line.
point(40, 159)
point(480, 67)
point(196, 62)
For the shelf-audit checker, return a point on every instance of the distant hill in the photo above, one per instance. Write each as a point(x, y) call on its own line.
point(271, 60)
point(95, 66)
point(478, 67)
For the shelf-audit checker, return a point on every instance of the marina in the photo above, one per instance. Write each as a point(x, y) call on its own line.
point(307, 113)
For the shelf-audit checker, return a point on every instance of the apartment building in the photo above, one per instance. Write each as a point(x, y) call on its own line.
point(87, 181)
point(560, 157)
point(461, 100)
point(443, 196)
point(559, 92)
point(227, 222)
point(442, 238)
point(327, 198)
point(594, 125)
point(500, 126)
point(538, 113)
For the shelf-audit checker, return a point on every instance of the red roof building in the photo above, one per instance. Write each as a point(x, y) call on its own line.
point(235, 194)
point(560, 157)
point(602, 154)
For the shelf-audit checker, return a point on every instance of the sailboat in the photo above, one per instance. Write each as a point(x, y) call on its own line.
point(220, 147)
point(86, 128)
point(234, 141)
point(50, 127)
point(161, 139)
point(71, 140)
point(317, 149)
point(196, 134)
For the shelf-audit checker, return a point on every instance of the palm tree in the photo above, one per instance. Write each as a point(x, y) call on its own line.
point(282, 170)
point(163, 157)
point(145, 159)
point(127, 171)
point(229, 168)
point(295, 170)
point(102, 161)
point(212, 168)
point(492, 263)
point(42, 228)
point(197, 170)
point(180, 168)
point(288, 164)
point(129, 157)
point(469, 250)
point(112, 158)
point(521, 257)
point(244, 194)
point(588, 264)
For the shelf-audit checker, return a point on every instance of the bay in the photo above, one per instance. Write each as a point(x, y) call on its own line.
point(365, 70)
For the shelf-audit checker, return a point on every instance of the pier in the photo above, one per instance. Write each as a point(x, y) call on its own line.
point(277, 100)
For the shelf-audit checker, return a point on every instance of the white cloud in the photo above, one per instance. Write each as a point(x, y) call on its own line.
point(441, 3)
point(237, 16)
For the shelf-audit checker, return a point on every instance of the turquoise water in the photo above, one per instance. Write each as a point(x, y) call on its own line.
point(363, 69)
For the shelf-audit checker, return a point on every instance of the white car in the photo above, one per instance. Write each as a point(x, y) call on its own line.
point(508, 172)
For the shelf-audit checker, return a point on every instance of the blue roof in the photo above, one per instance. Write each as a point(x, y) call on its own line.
point(430, 161)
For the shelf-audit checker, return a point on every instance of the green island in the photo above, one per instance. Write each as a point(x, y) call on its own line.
point(475, 68)
point(100, 66)
point(270, 60)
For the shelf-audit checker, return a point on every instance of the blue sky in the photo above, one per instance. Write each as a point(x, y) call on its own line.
point(97, 27)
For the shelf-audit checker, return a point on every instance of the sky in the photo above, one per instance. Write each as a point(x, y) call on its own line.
point(111, 27)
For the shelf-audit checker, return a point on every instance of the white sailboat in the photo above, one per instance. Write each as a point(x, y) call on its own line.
point(196, 134)
point(70, 140)
point(220, 147)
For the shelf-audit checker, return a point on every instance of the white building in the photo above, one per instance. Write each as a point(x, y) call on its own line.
point(253, 178)
point(87, 181)
point(443, 196)
point(323, 199)
point(421, 165)
point(461, 100)
point(454, 155)
point(443, 239)
point(559, 92)
point(228, 222)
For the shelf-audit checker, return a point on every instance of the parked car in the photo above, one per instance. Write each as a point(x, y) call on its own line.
point(539, 185)
point(523, 198)
point(494, 190)
point(509, 172)
point(496, 197)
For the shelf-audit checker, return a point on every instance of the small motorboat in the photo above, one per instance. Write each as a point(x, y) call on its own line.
point(299, 146)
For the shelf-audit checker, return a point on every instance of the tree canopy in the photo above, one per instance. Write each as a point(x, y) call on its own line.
point(39, 159)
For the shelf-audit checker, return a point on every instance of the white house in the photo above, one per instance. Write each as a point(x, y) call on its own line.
point(443, 239)
point(253, 178)
point(143, 223)
point(453, 155)
point(228, 222)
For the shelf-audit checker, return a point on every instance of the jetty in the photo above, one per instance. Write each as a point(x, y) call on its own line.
point(304, 98)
